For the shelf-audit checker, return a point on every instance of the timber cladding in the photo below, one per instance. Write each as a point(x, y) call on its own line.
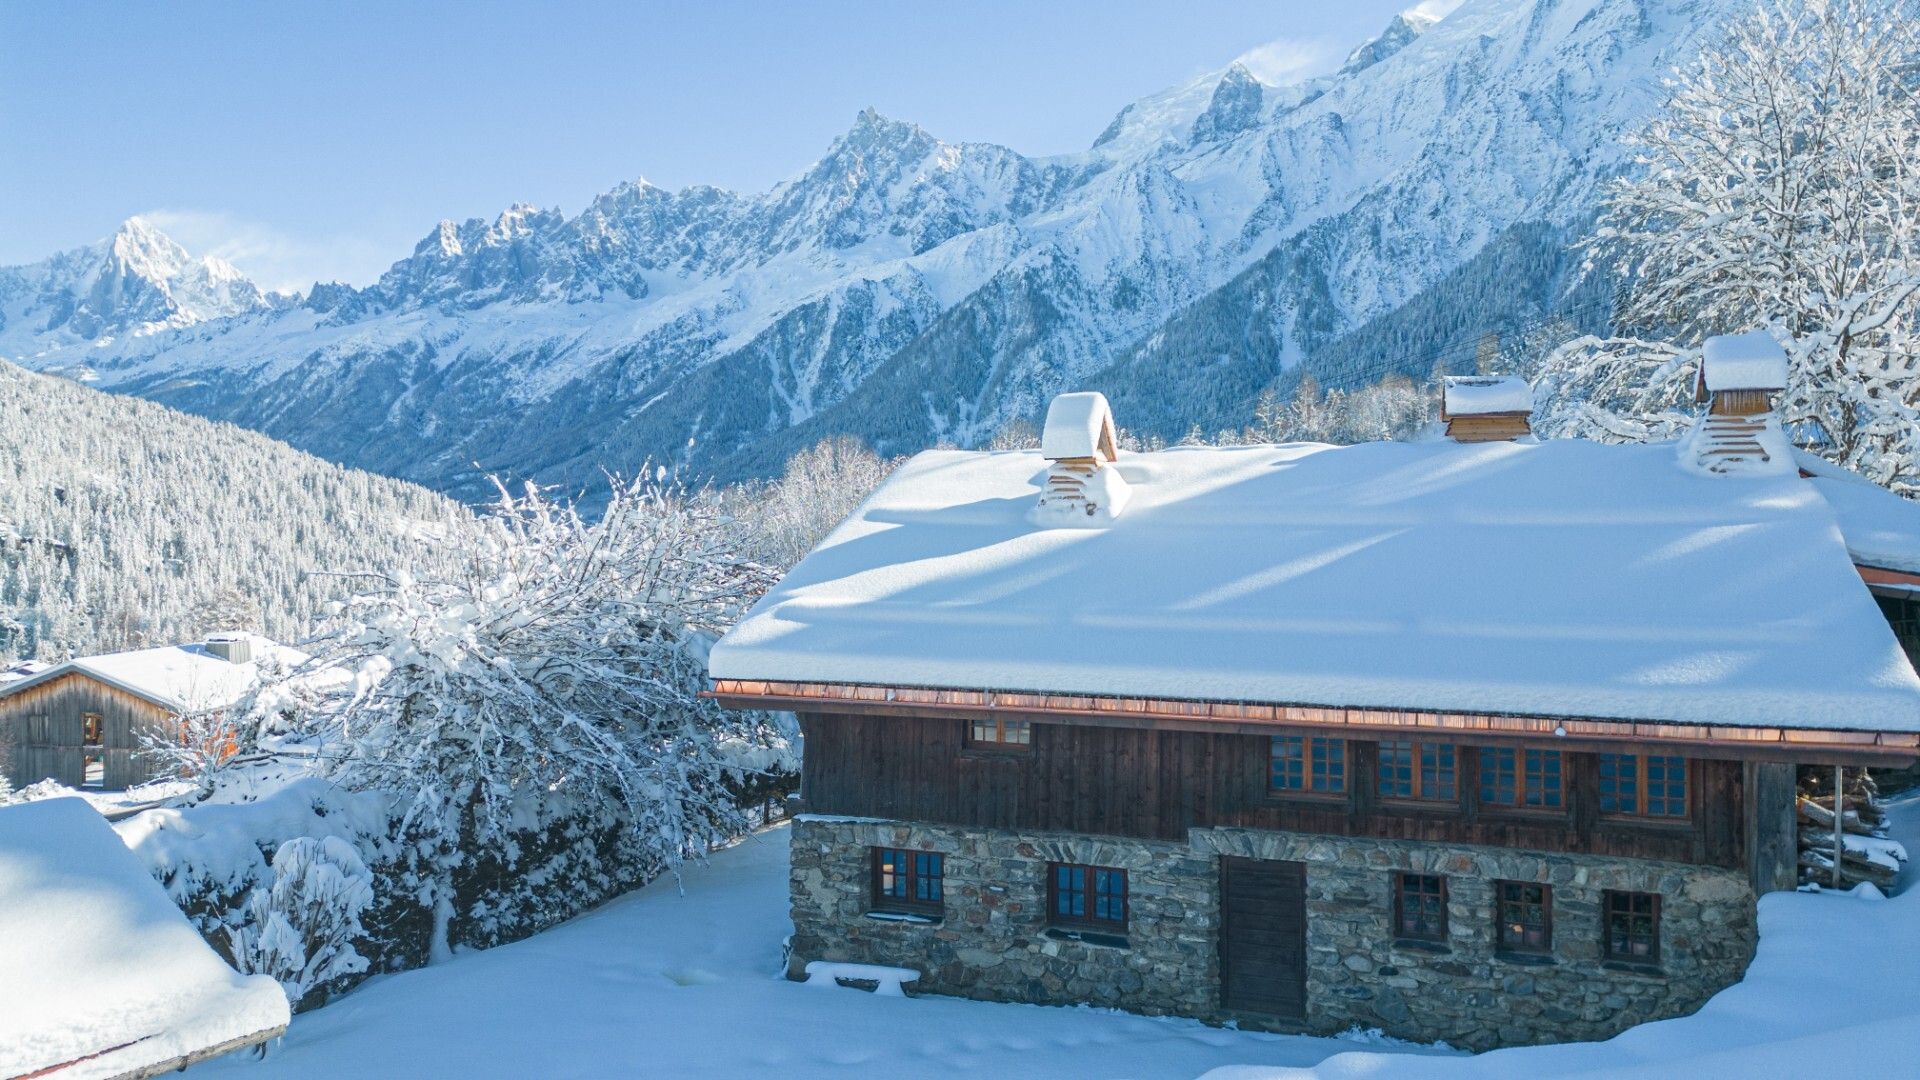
point(47, 725)
point(1159, 783)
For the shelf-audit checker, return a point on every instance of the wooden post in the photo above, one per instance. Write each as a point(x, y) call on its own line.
point(1839, 823)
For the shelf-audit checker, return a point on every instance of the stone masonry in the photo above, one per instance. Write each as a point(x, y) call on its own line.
point(993, 941)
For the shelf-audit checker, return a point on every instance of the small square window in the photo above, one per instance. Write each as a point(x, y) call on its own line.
point(1639, 785)
point(1526, 779)
point(912, 881)
point(1630, 923)
point(999, 733)
point(1087, 897)
point(1303, 763)
point(1524, 911)
point(1420, 907)
point(1419, 771)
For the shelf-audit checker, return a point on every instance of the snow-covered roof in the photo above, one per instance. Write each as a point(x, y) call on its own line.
point(1563, 578)
point(1483, 395)
point(1078, 426)
point(174, 677)
point(1881, 529)
point(100, 973)
point(1749, 361)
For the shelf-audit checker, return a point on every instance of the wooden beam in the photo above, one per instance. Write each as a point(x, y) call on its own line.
point(1798, 745)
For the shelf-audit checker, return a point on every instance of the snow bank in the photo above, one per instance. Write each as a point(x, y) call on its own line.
point(1749, 361)
point(1564, 578)
point(1481, 395)
point(96, 962)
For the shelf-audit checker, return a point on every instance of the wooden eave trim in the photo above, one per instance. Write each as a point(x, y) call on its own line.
point(1880, 575)
point(1574, 733)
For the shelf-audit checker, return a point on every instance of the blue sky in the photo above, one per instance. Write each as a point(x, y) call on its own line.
point(322, 140)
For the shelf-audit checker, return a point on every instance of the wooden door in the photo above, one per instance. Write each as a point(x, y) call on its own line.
point(1263, 937)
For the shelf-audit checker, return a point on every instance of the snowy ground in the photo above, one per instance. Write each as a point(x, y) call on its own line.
point(664, 984)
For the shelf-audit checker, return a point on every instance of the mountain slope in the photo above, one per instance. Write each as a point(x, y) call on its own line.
point(125, 523)
point(911, 291)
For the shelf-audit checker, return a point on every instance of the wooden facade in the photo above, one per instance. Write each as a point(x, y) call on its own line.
point(48, 726)
point(1158, 783)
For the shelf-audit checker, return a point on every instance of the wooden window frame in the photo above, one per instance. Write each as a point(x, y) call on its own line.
point(1609, 905)
point(1416, 772)
point(1000, 739)
point(1400, 883)
point(1320, 756)
point(1504, 943)
point(1640, 789)
point(910, 875)
point(97, 736)
point(1527, 781)
point(1088, 921)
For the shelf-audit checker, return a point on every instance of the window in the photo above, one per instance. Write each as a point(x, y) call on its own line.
point(1304, 763)
point(1092, 897)
point(90, 729)
point(1420, 907)
point(908, 880)
point(1639, 785)
point(1631, 923)
point(1525, 913)
point(999, 733)
point(1529, 779)
point(93, 771)
point(1411, 770)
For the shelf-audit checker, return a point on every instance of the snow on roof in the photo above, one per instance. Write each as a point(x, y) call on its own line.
point(1881, 529)
point(173, 676)
point(98, 967)
point(1481, 395)
point(1564, 578)
point(1749, 361)
point(1077, 426)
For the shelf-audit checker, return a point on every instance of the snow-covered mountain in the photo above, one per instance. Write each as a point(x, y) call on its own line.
point(1215, 238)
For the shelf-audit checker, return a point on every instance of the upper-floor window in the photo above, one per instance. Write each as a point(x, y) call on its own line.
point(999, 733)
point(1416, 770)
point(1524, 910)
point(90, 724)
point(1630, 926)
point(1087, 897)
point(1643, 785)
point(1531, 779)
point(1307, 763)
point(1420, 907)
point(908, 880)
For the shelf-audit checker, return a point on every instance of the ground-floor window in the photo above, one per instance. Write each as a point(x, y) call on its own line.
point(1089, 897)
point(908, 880)
point(1420, 907)
point(1525, 913)
point(1630, 923)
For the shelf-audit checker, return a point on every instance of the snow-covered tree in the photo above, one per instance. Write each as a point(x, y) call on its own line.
point(1780, 188)
point(818, 489)
point(301, 929)
point(552, 673)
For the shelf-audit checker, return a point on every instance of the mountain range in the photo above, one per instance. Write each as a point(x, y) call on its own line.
point(1217, 238)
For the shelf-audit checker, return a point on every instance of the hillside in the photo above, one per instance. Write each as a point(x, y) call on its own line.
point(1217, 238)
point(125, 523)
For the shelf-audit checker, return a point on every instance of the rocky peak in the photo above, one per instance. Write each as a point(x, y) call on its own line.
point(1235, 106)
point(1399, 33)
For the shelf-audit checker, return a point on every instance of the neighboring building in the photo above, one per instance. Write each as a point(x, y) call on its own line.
point(80, 722)
point(100, 973)
point(1492, 743)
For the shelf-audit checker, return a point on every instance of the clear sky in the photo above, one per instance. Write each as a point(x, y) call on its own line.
point(322, 140)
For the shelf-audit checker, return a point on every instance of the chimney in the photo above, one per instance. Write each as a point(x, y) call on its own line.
point(1738, 376)
point(1083, 488)
point(1486, 408)
point(233, 648)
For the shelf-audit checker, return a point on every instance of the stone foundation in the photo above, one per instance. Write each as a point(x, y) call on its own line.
point(993, 941)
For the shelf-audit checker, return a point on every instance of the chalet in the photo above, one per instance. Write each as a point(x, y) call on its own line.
point(1490, 740)
point(80, 722)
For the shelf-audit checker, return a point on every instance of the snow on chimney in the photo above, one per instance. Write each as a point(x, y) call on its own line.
point(1739, 435)
point(1486, 408)
point(1083, 489)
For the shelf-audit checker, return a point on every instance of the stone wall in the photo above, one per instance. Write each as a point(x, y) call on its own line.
point(993, 941)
